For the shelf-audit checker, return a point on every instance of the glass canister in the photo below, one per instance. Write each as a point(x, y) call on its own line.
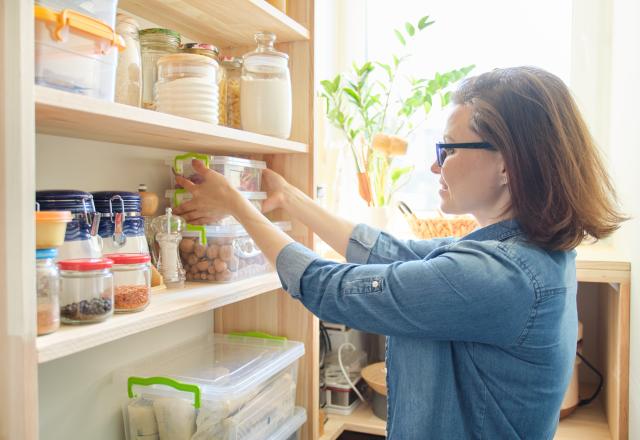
point(86, 290)
point(131, 280)
point(129, 71)
point(211, 51)
point(265, 102)
point(154, 44)
point(121, 222)
point(47, 284)
point(187, 87)
point(232, 67)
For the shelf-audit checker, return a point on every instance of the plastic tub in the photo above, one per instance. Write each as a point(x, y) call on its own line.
point(244, 174)
point(103, 10)
point(216, 386)
point(178, 196)
point(79, 57)
point(51, 227)
point(222, 253)
point(290, 430)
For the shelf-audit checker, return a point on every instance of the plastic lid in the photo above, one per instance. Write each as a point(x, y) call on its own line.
point(190, 58)
point(131, 258)
point(160, 31)
point(86, 264)
point(42, 254)
point(221, 160)
point(53, 216)
point(229, 61)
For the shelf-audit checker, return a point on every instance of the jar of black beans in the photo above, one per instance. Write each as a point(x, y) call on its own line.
point(86, 290)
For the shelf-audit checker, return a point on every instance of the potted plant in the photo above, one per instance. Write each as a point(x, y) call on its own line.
point(377, 115)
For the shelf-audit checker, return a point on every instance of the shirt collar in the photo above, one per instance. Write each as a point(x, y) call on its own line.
point(497, 231)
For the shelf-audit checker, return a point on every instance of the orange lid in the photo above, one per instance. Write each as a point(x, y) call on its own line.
point(53, 216)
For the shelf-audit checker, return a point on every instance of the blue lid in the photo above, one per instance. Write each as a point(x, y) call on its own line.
point(130, 200)
point(65, 200)
point(42, 254)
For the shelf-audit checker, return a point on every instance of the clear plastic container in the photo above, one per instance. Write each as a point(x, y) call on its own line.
point(89, 46)
point(216, 386)
point(129, 71)
point(154, 44)
point(222, 253)
point(103, 10)
point(230, 91)
point(265, 101)
point(187, 86)
point(131, 280)
point(177, 196)
point(244, 174)
point(290, 430)
point(47, 285)
point(51, 227)
point(86, 290)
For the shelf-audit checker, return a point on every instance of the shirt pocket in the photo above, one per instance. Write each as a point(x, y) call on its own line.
point(363, 285)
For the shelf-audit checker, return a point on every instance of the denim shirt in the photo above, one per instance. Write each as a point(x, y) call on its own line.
point(481, 330)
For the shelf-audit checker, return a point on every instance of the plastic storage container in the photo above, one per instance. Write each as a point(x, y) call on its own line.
point(187, 86)
point(129, 71)
point(51, 227)
point(217, 386)
point(81, 239)
point(290, 430)
point(178, 196)
point(121, 222)
point(103, 10)
point(67, 38)
point(154, 44)
point(47, 285)
point(86, 290)
point(222, 253)
point(131, 281)
point(244, 174)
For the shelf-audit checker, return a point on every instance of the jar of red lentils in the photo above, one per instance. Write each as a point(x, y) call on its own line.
point(131, 281)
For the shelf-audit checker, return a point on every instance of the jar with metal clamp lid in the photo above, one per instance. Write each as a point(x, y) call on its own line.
point(121, 222)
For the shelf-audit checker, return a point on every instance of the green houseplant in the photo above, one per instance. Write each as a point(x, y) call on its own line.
point(376, 114)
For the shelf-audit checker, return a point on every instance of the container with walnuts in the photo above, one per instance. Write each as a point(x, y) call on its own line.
point(216, 253)
point(438, 225)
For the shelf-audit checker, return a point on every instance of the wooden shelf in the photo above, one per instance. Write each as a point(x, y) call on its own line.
point(221, 22)
point(166, 306)
point(77, 116)
point(588, 422)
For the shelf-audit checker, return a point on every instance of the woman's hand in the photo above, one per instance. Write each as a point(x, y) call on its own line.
point(211, 200)
point(275, 185)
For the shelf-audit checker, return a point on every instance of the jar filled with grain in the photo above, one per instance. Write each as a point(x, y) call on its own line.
point(131, 280)
point(47, 287)
point(155, 43)
point(211, 51)
point(232, 67)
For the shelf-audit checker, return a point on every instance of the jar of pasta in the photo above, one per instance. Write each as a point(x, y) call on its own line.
point(232, 67)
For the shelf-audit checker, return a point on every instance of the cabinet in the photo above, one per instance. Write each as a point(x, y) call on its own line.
point(84, 129)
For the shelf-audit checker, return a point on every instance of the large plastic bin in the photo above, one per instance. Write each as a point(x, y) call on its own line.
point(103, 10)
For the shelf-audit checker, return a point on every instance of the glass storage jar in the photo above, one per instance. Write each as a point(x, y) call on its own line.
point(209, 50)
point(129, 71)
point(47, 286)
point(187, 87)
point(265, 102)
point(154, 43)
point(232, 67)
point(86, 290)
point(131, 280)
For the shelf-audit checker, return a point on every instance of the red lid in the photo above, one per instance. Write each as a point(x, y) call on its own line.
point(129, 258)
point(86, 264)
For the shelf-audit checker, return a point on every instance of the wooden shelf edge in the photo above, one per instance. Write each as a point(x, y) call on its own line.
point(68, 114)
point(166, 306)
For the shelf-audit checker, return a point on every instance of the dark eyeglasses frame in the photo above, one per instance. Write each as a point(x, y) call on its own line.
point(440, 146)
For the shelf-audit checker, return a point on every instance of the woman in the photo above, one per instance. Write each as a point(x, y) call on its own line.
point(481, 330)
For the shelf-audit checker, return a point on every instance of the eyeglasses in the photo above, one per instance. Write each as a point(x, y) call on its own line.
point(441, 148)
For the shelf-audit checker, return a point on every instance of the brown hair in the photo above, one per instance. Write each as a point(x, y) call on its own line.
point(560, 189)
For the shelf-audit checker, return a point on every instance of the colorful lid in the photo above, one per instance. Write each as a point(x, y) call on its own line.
point(43, 254)
point(86, 264)
point(131, 258)
point(53, 216)
point(202, 49)
point(77, 202)
point(160, 31)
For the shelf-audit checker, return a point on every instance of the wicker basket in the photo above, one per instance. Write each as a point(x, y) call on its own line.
point(438, 225)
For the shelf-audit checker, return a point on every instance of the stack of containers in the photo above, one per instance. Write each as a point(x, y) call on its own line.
point(76, 48)
point(217, 386)
point(121, 222)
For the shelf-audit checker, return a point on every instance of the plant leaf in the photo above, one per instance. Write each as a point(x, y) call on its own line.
point(422, 23)
point(410, 29)
point(397, 173)
point(328, 86)
point(400, 37)
point(353, 95)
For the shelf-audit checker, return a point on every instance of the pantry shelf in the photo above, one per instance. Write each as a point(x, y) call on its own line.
point(76, 116)
point(220, 22)
point(166, 306)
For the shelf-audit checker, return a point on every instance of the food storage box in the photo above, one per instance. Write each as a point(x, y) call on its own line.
point(290, 430)
point(178, 196)
point(216, 386)
point(244, 174)
point(75, 53)
point(222, 253)
point(103, 10)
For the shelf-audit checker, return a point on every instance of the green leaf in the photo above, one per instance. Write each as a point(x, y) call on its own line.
point(397, 173)
point(336, 82)
point(410, 29)
point(328, 86)
point(423, 22)
point(396, 61)
point(387, 68)
point(400, 37)
point(353, 95)
point(444, 99)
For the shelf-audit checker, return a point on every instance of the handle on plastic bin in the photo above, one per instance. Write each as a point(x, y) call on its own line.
point(260, 335)
point(159, 380)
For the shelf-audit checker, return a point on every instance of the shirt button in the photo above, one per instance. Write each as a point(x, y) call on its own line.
point(375, 284)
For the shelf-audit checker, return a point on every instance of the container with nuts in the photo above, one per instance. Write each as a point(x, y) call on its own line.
point(222, 253)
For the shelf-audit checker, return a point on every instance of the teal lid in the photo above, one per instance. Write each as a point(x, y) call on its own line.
point(42, 254)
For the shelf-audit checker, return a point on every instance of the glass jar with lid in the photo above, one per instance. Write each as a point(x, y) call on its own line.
point(154, 43)
point(131, 280)
point(47, 286)
point(211, 51)
point(86, 290)
point(232, 67)
point(187, 87)
point(265, 102)
point(129, 71)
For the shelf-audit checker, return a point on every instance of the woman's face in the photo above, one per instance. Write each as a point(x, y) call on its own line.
point(472, 181)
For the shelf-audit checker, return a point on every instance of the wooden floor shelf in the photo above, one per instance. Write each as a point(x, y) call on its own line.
point(76, 116)
point(220, 22)
point(166, 306)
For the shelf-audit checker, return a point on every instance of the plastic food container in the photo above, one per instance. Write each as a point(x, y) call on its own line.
point(86, 290)
point(121, 222)
point(103, 10)
point(217, 386)
point(51, 227)
point(47, 285)
point(244, 174)
point(68, 38)
point(222, 253)
point(290, 430)
point(131, 280)
point(178, 196)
